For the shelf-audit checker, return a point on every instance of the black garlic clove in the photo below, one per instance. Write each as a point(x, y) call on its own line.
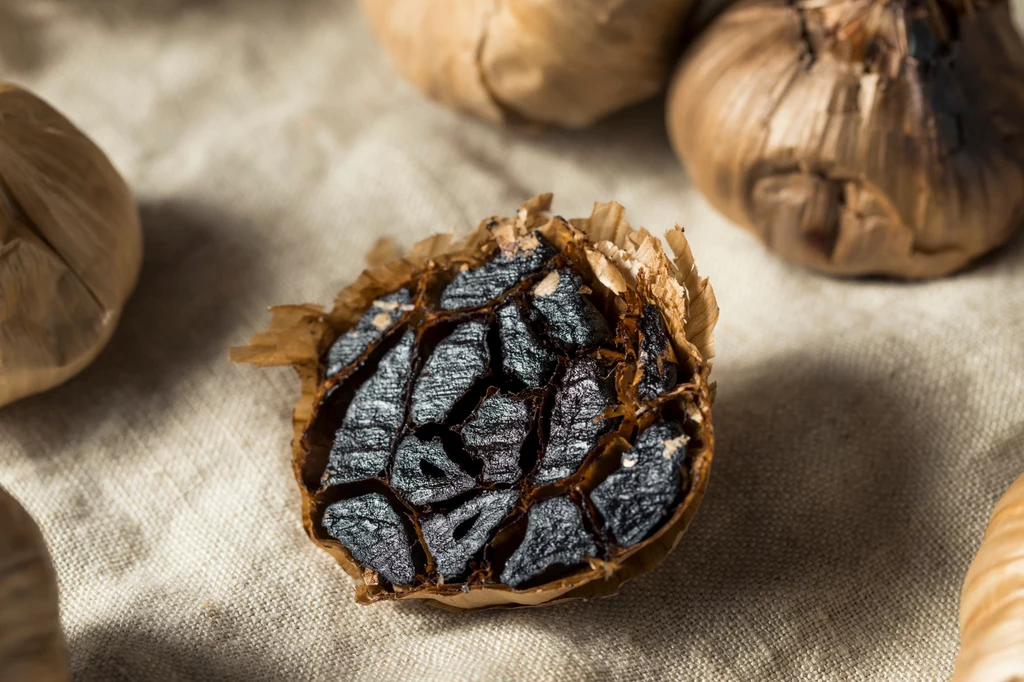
point(514, 261)
point(636, 497)
point(570, 316)
point(374, 533)
point(382, 315)
point(658, 368)
point(457, 537)
point(495, 434)
point(523, 356)
point(576, 422)
point(363, 444)
point(450, 371)
point(424, 474)
point(555, 539)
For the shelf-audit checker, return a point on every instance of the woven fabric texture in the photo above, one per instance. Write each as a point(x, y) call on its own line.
point(865, 428)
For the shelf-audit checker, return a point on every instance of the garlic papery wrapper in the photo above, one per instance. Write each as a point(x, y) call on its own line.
point(859, 136)
point(557, 62)
point(31, 643)
point(70, 246)
point(992, 599)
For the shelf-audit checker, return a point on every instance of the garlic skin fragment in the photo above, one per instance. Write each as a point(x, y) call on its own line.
point(859, 137)
point(992, 599)
point(556, 62)
point(70, 246)
point(31, 642)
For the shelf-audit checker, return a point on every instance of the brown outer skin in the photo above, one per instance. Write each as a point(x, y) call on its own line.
point(992, 599)
point(558, 62)
point(31, 642)
point(839, 173)
point(70, 246)
point(299, 335)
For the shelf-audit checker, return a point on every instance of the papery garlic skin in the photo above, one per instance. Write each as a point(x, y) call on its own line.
point(558, 62)
point(992, 599)
point(70, 246)
point(857, 136)
point(31, 642)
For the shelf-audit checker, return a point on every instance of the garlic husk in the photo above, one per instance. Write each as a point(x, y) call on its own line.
point(558, 62)
point(858, 136)
point(70, 246)
point(992, 599)
point(31, 642)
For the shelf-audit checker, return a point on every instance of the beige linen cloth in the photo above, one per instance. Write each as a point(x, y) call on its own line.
point(865, 428)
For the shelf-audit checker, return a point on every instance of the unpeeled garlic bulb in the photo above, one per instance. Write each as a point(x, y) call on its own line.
point(992, 599)
point(859, 136)
point(31, 643)
point(558, 62)
point(70, 246)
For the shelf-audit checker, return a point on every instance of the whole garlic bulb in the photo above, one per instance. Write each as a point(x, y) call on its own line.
point(70, 246)
point(992, 599)
point(31, 643)
point(859, 136)
point(559, 62)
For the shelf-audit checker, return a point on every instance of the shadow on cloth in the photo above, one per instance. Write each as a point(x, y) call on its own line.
point(195, 279)
point(109, 653)
point(805, 540)
point(619, 141)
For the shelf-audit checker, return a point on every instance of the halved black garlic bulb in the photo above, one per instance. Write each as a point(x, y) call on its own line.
point(515, 419)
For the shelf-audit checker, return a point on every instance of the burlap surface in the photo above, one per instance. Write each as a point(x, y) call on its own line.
point(865, 428)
